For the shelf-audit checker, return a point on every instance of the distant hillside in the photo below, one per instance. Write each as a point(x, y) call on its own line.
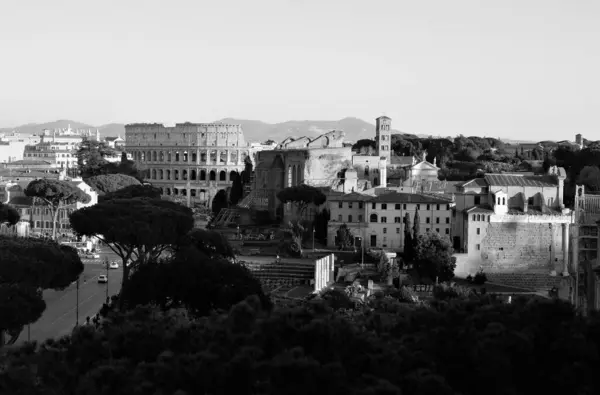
point(354, 128)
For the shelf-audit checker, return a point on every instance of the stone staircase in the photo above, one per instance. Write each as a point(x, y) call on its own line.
point(533, 281)
point(284, 276)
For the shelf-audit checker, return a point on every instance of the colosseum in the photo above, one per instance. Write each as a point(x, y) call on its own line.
point(198, 159)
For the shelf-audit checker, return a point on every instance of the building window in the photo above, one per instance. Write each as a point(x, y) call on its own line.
point(447, 231)
point(360, 204)
point(447, 220)
point(426, 230)
point(397, 206)
point(373, 218)
point(397, 220)
point(478, 217)
point(349, 218)
point(340, 205)
point(397, 230)
point(340, 217)
point(384, 206)
point(477, 199)
point(383, 220)
point(437, 220)
point(437, 207)
point(404, 206)
point(478, 246)
point(359, 218)
point(447, 207)
point(349, 204)
point(418, 206)
point(428, 207)
point(384, 230)
point(437, 230)
point(478, 231)
point(426, 220)
point(474, 217)
point(373, 206)
point(530, 201)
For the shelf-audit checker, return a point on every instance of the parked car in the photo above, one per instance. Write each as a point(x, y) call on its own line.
point(113, 265)
point(102, 279)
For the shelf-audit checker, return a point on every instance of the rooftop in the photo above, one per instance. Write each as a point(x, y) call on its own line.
point(474, 183)
point(350, 197)
point(397, 197)
point(504, 180)
point(483, 208)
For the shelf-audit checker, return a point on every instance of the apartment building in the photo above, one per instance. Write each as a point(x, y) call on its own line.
point(379, 220)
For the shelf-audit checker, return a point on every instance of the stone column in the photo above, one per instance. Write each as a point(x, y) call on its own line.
point(239, 157)
point(552, 248)
point(565, 248)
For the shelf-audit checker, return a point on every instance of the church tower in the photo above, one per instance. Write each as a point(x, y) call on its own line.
point(383, 137)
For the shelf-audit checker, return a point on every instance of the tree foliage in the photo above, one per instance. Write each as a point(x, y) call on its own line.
point(345, 238)
point(301, 196)
point(526, 347)
point(219, 202)
point(137, 230)
point(192, 280)
point(55, 194)
point(590, 177)
point(9, 215)
point(416, 225)
point(106, 183)
point(295, 230)
point(134, 191)
point(212, 244)
point(237, 190)
point(28, 266)
point(433, 256)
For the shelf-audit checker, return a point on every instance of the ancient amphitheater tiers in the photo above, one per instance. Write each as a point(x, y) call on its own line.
point(189, 158)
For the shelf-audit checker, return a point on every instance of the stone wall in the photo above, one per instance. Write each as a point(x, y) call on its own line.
point(519, 247)
point(323, 166)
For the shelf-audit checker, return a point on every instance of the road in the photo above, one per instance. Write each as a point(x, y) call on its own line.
point(269, 259)
point(60, 315)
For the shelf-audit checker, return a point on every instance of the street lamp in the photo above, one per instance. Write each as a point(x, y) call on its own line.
point(107, 266)
point(77, 303)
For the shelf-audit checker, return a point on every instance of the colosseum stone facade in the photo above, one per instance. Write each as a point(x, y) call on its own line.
point(198, 159)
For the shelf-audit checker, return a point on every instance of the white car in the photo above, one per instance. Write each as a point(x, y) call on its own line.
point(91, 256)
point(102, 279)
point(113, 265)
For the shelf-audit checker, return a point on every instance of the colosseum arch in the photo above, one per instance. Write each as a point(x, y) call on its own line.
point(213, 175)
point(143, 156)
point(193, 175)
point(202, 175)
point(194, 157)
point(222, 175)
point(169, 156)
point(168, 191)
point(161, 174)
point(176, 156)
point(185, 156)
point(154, 156)
point(153, 174)
point(232, 175)
point(184, 175)
point(161, 156)
point(176, 175)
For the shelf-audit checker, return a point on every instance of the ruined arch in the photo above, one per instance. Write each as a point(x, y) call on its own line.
point(176, 175)
point(153, 174)
point(184, 175)
point(222, 175)
point(154, 156)
point(193, 175)
point(202, 175)
point(161, 156)
point(161, 174)
point(213, 175)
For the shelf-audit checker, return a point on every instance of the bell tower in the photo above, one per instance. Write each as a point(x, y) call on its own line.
point(383, 137)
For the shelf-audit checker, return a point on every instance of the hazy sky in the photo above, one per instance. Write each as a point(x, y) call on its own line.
point(516, 69)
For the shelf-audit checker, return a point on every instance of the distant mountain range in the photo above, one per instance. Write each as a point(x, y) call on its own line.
point(354, 128)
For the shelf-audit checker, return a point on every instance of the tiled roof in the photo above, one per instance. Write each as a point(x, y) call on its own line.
point(29, 162)
point(504, 180)
point(484, 208)
point(474, 183)
point(21, 201)
point(350, 197)
point(533, 211)
point(395, 197)
point(23, 173)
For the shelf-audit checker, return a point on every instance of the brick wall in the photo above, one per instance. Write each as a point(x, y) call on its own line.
point(521, 247)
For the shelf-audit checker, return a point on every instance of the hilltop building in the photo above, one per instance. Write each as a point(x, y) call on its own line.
point(327, 162)
point(195, 159)
point(514, 227)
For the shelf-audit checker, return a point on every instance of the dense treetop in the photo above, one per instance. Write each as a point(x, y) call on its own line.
point(8, 215)
point(106, 183)
point(455, 347)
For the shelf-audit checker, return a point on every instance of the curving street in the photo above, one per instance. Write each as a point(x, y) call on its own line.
point(60, 315)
